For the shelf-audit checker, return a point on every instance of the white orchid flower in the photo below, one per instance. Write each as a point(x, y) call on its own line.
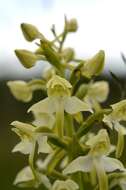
point(58, 101)
point(96, 93)
point(96, 160)
point(113, 121)
point(29, 138)
point(25, 178)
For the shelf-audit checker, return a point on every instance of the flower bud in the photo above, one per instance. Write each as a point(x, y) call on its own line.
point(30, 32)
point(98, 91)
point(72, 25)
point(94, 66)
point(68, 54)
point(20, 90)
point(27, 58)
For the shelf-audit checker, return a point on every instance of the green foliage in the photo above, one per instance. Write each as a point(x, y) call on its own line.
point(68, 143)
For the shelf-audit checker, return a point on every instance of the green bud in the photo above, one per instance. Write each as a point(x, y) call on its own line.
point(27, 58)
point(94, 66)
point(30, 32)
point(72, 25)
point(68, 54)
point(20, 90)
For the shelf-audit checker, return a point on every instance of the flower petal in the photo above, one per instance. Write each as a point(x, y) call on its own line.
point(100, 95)
point(44, 119)
point(25, 178)
point(111, 164)
point(24, 175)
point(43, 146)
point(20, 90)
point(82, 163)
point(67, 185)
point(74, 105)
point(25, 147)
point(48, 105)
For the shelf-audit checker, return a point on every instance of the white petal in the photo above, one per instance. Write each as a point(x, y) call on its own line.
point(74, 105)
point(67, 185)
point(118, 127)
point(24, 147)
point(111, 164)
point(24, 175)
point(44, 180)
point(82, 163)
point(43, 146)
point(44, 119)
point(48, 105)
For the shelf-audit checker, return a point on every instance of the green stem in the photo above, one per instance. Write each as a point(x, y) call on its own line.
point(60, 119)
point(120, 143)
point(57, 157)
point(63, 39)
point(80, 181)
point(57, 38)
point(58, 175)
point(87, 125)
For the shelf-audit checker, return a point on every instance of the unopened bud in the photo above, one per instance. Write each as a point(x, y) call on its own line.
point(27, 58)
point(68, 54)
point(72, 25)
point(94, 66)
point(30, 32)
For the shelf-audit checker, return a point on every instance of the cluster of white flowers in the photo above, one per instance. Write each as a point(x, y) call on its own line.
point(69, 141)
